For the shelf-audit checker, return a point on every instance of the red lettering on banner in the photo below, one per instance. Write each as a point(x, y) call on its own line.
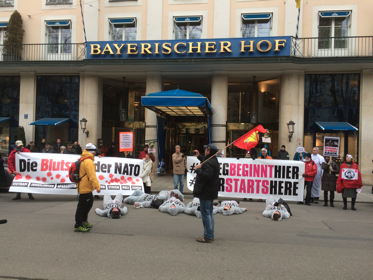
point(245, 172)
point(250, 186)
point(243, 186)
point(265, 189)
point(236, 180)
point(256, 171)
point(44, 165)
point(270, 171)
point(239, 170)
point(232, 169)
point(257, 185)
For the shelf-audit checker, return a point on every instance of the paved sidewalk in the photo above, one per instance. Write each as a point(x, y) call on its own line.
point(165, 182)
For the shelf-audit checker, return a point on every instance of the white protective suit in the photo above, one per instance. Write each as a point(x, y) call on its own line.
point(192, 208)
point(230, 207)
point(271, 208)
point(110, 204)
point(142, 200)
point(316, 185)
point(172, 206)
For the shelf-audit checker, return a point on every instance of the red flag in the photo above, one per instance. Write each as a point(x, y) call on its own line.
point(250, 139)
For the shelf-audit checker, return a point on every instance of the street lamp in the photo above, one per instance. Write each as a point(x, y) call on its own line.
point(83, 126)
point(290, 125)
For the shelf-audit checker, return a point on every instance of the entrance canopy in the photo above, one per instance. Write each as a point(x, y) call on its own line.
point(336, 126)
point(4, 119)
point(177, 103)
point(50, 121)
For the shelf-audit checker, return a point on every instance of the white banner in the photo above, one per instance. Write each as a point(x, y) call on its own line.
point(350, 174)
point(331, 146)
point(44, 173)
point(260, 178)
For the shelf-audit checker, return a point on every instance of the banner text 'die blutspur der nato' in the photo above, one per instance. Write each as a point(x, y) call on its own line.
point(260, 179)
point(44, 173)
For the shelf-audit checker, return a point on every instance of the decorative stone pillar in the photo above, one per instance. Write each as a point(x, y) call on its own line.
point(291, 109)
point(90, 107)
point(222, 18)
point(27, 104)
point(153, 84)
point(366, 127)
point(219, 103)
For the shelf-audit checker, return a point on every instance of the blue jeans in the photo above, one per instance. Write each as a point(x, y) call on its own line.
point(179, 181)
point(207, 218)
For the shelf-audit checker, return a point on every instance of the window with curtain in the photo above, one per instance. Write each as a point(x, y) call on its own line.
point(333, 27)
point(9, 96)
point(58, 35)
point(188, 27)
point(256, 25)
point(123, 29)
point(332, 98)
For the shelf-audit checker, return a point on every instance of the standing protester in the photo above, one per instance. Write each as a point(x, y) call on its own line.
point(144, 152)
point(69, 149)
point(6, 178)
point(264, 154)
point(88, 183)
point(309, 175)
point(146, 172)
point(57, 146)
point(32, 147)
point(41, 145)
point(48, 148)
point(329, 179)
point(178, 169)
point(316, 186)
point(206, 189)
point(76, 148)
point(283, 154)
point(12, 164)
point(299, 154)
point(349, 179)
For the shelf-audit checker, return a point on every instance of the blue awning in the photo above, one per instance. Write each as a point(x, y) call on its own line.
point(194, 19)
point(131, 20)
point(57, 22)
point(335, 14)
point(50, 121)
point(3, 24)
point(177, 103)
point(336, 126)
point(256, 16)
point(4, 119)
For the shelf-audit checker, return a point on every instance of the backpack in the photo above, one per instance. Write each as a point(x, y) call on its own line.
point(74, 171)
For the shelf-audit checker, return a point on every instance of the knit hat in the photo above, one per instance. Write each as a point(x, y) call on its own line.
point(349, 156)
point(90, 147)
point(19, 143)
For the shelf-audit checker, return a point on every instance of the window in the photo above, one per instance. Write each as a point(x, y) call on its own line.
point(58, 35)
point(333, 26)
point(121, 0)
point(59, 2)
point(3, 26)
point(188, 27)
point(123, 29)
point(6, 3)
point(256, 25)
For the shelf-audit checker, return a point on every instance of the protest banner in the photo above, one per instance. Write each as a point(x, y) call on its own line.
point(260, 178)
point(331, 146)
point(43, 173)
point(126, 141)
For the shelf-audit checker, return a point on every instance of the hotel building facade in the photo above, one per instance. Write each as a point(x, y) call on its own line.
point(252, 61)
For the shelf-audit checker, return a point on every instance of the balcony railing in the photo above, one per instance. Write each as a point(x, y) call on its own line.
point(59, 2)
point(6, 3)
point(359, 46)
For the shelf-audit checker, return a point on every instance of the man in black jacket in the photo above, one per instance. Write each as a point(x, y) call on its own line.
point(206, 189)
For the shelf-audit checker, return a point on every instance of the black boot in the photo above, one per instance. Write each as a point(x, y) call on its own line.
point(332, 199)
point(18, 196)
point(325, 198)
point(30, 196)
point(345, 203)
point(353, 204)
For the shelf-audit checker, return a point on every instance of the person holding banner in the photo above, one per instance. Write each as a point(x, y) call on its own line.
point(206, 189)
point(349, 180)
point(264, 154)
point(329, 179)
point(178, 168)
point(6, 178)
point(146, 171)
point(309, 174)
point(12, 164)
point(87, 184)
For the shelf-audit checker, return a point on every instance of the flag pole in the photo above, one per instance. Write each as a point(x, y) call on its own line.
point(217, 152)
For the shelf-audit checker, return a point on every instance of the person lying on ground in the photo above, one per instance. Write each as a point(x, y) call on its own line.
point(276, 209)
point(229, 207)
point(172, 206)
point(112, 208)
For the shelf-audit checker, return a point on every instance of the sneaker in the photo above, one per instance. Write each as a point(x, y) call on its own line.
point(18, 197)
point(204, 240)
point(87, 225)
point(81, 229)
point(31, 197)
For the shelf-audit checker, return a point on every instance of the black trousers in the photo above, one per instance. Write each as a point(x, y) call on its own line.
point(308, 186)
point(84, 206)
point(147, 189)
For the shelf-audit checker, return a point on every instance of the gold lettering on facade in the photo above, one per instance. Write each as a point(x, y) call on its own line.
point(166, 48)
point(210, 47)
point(107, 49)
point(146, 48)
point(250, 46)
point(95, 49)
point(177, 49)
point(266, 42)
point(118, 48)
point(132, 48)
point(279, 43)
point(225, 46)
point(156, 45)
point(191, 48)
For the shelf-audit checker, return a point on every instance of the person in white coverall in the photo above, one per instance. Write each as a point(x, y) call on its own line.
point(112, 208)
point(275, 211)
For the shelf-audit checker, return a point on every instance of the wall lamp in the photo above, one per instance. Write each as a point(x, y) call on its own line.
point(290, 125)
point(83, 126)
